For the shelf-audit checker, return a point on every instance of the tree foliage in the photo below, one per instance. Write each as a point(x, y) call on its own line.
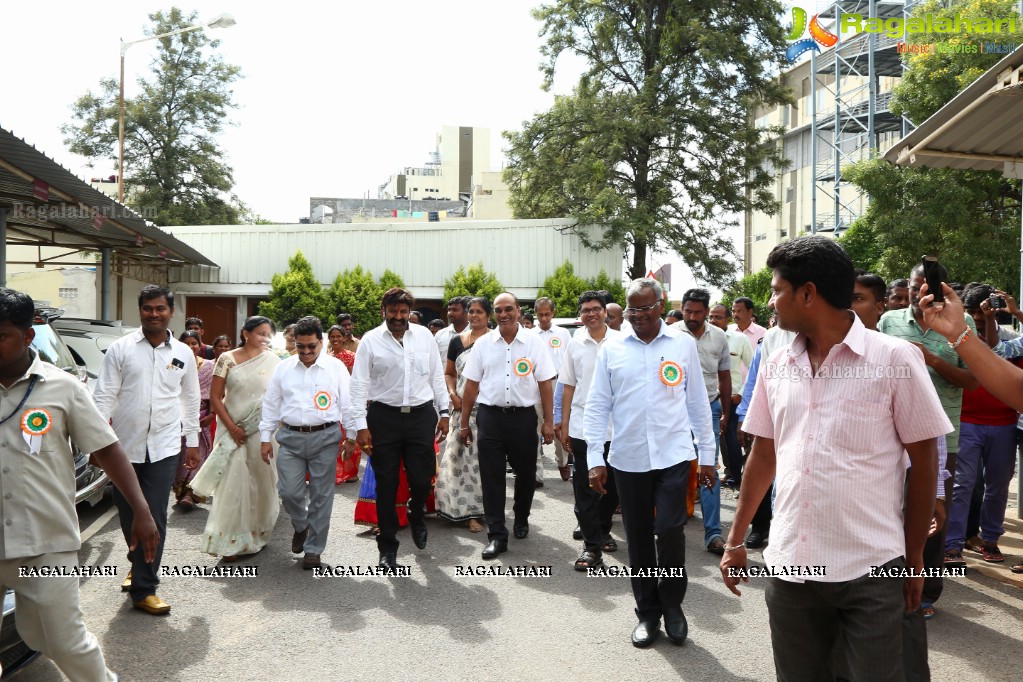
point(612, 286)
point(474, 281)
point(173, 163)
point(294, 294)
point(563, 287)
point(755, 286)
point(969, 219)
point(355, 292)
point(657, 143)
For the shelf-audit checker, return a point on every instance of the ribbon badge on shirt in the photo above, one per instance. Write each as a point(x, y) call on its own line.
point(523, 367)
point(671, 373)
point(34, 423)
point(555, 342)
point(323, 400)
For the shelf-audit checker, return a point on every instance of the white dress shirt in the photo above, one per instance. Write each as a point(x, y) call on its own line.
point(577, 370)
point(150, 395)
point(654, 422)
point(508, 373)
point(403, 374)
point(556, 339)
point(306, 396)
point(443, 339)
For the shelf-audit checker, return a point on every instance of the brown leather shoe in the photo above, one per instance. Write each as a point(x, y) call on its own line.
point(298, 541)
point(153, 605)
point(311, 561)
point(126, 585)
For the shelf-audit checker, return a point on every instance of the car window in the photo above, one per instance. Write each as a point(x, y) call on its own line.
point(51, 349)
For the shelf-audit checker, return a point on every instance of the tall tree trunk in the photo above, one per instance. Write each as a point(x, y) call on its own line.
point(638, 268)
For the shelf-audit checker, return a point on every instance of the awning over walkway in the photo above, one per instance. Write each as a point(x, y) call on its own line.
point(46, 205)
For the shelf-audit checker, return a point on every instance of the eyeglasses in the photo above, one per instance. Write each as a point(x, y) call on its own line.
point(309, 346)
point(643, 309)
point(590, 311)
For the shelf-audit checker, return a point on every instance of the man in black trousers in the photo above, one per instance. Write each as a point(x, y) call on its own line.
point(508, 371)
point(397, 392)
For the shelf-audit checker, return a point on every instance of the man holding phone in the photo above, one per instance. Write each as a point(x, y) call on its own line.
point(950, 376)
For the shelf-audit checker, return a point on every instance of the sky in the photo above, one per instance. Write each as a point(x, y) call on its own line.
point(333, 99)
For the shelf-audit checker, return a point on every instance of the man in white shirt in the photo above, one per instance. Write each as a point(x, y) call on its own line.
point(149, 390)
point(306, 399)
point(458, 318)
point(556, 339)
point(593, 511)
point(649, 385)
point(741, 353)
point(398, 390)
point(508, 371)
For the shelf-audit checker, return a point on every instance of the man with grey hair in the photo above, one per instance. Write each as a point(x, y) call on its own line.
point(649, 384)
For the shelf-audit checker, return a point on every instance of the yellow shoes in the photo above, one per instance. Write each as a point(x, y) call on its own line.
point(126, 585)
point(153, 605)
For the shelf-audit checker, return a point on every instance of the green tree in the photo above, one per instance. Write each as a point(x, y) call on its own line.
point(969, 219)
point(563, 287)
point(355, 292)
point(657, 145)
point(755, 286)
point(613, 286)
point(294, 294)
point(173, 161)
point(389, 280)
point(474, 281)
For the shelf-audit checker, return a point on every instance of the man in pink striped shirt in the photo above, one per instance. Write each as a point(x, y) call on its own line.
point(832, 414)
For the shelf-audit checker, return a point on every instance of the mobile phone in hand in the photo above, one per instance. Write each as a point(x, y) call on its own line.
point(931, 270)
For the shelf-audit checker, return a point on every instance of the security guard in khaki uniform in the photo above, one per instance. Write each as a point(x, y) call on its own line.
point(40, 408)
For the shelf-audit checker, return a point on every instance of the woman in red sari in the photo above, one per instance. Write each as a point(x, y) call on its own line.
point(347, 470)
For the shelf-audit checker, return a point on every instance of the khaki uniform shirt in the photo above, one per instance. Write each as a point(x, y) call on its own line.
point(37, 479)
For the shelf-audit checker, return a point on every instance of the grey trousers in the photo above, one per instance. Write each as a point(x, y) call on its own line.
point(805, 619)
point(316, 454)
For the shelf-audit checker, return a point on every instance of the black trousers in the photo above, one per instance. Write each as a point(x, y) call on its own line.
point(732, 451)
point(156, 480)
point(593, 511)
point(934, 548)
point(762, 517)
point(805, 619)
point(401, 439)
point(506, 435)
point(653, 512)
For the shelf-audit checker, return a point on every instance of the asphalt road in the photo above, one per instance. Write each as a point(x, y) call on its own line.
point(284, 624)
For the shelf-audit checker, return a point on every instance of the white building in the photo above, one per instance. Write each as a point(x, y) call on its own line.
point(461, 153)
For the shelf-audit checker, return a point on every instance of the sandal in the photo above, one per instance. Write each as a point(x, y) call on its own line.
point(1017, 568)
point(186, 503)
point(588, 560)
point(992, 554)
point(928, 610)
point(974, 544)
point(609, 546)
point(954, 559)
point(475, 526)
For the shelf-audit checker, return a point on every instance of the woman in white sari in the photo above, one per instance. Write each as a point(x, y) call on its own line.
point(245, 503)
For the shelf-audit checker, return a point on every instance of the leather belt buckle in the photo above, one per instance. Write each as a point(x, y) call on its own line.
point(405, 409)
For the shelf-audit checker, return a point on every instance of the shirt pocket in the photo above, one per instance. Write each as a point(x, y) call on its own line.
point(421, 363)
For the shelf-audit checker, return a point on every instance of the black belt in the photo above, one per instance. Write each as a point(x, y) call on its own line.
point(510, 408)
point(309, 429)
point(404, 409)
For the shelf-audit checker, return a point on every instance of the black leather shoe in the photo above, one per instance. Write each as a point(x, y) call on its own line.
point(756, 540)
point(675, 624)
point(298, 541)
point(390, 562)
point(577, 534)
point(496, 546)
point(521, 531)
point(419, 534)
point(311, 561)
point(645, 632)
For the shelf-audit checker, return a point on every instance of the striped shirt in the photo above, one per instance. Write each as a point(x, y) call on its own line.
point(839, 438)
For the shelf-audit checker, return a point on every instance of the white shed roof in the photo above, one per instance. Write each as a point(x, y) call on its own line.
point(521, 253)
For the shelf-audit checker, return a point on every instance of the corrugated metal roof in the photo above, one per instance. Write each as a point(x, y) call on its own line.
point(978, 129)
point(521, 253)
point(48, 204)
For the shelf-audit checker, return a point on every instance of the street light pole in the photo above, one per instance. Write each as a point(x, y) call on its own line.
point(222, 21)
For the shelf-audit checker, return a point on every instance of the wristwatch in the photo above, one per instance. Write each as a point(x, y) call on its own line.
point(350, 440)
point(444, 413)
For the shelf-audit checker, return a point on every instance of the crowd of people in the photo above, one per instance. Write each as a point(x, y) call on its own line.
point(864, 430)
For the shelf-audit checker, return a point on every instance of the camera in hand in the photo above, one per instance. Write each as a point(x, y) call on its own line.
point(932, 274)
point(995, 301)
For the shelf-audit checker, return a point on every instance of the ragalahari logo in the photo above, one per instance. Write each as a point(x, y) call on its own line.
point(818, 35)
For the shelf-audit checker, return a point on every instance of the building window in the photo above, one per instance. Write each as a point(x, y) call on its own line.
point(790, 194)
point(68, 292)
point(762, 237)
